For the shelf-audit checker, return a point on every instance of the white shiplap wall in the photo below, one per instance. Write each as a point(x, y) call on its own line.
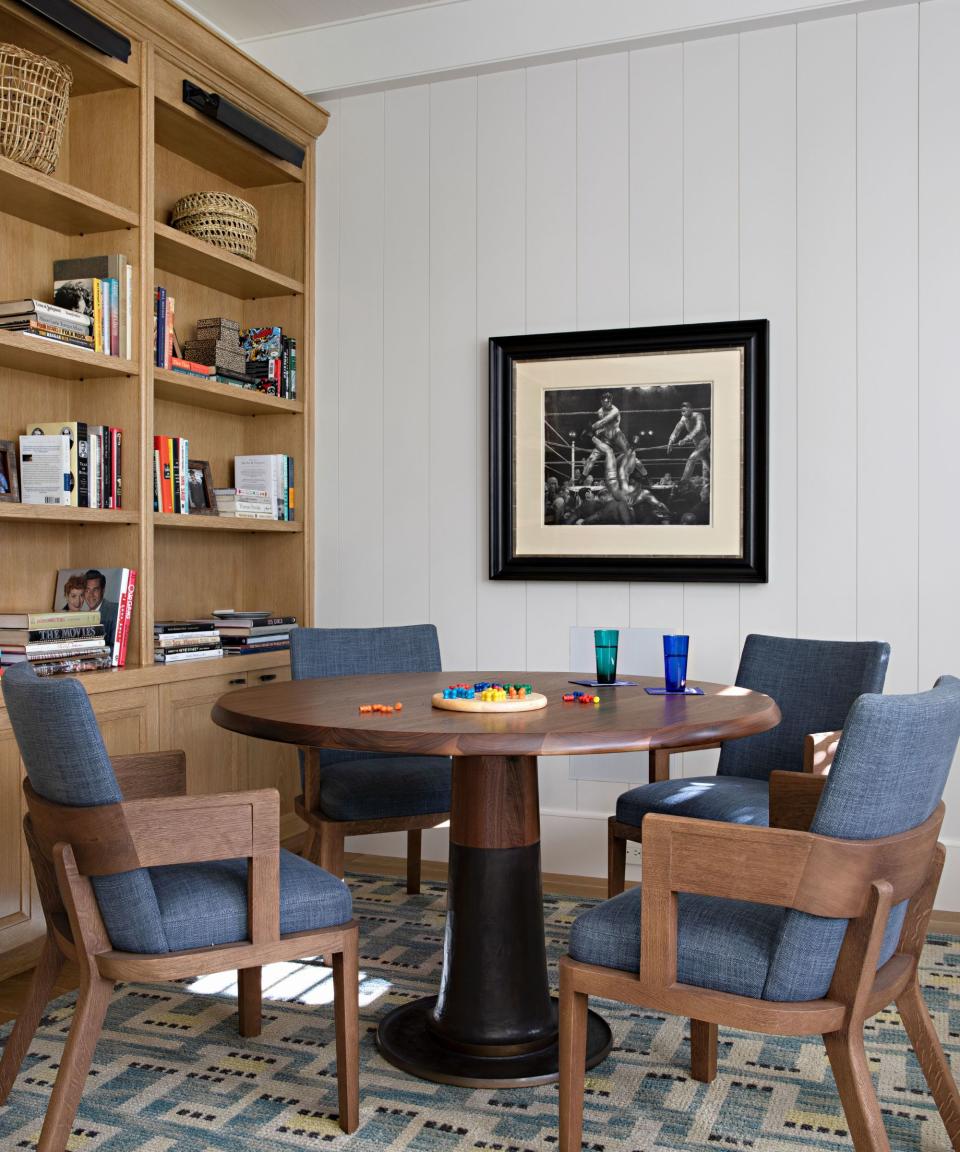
point(806, 173)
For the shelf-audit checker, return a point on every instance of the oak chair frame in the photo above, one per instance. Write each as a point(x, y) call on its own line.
point(325, 837)
point(155, 824)
point(787, 866)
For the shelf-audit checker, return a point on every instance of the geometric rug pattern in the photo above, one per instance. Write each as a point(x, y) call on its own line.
point(170, 1073)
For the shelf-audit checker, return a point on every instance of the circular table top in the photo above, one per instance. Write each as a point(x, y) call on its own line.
point(323, 713)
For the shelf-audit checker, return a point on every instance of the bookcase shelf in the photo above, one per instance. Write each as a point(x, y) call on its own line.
point(197, 260)
point(193, 390)
point(50, 358)
point(41, 514)
point(224, 523)
point(53, 204)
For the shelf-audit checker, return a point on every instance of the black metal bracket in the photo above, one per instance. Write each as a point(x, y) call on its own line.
point(79, 23)
point(243, 124)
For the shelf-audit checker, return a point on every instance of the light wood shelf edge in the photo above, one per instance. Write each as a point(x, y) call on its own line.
point(59, 514)
point(51, 358)
point(197, 260)
point(181, 388)
point(199, 523)
point(53, 204)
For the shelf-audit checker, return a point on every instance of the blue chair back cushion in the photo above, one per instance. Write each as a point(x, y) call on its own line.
point(67, 764)
point(814, 683)
point(888, 776)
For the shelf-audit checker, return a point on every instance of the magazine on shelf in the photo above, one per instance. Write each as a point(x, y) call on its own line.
point(109, 591)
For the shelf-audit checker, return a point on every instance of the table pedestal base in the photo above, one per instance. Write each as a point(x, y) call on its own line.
point(406, 1040)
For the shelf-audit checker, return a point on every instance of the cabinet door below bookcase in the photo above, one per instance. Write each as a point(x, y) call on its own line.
point(216, 758)
point(274, 765)
point(21, 917)
point(128, 719)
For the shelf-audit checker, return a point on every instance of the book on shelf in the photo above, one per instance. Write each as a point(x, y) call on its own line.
point(164, 310)
point(39, 635)
point(82, 618)
point(273, 474)
point(108, 591)
point(95, 471)
point(81, 662)
point(175, 641)
point(51, 644)
point(91, 297)
point(15, 314)
point(117, 300)
point(171, 464)
point(243, 503)
point(45, 470)
point(191, 367)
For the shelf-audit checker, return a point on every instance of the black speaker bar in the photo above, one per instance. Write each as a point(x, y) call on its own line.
point(79, 23)
point(243, 124)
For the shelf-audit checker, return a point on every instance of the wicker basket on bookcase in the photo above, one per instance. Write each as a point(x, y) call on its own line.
point(34, 96)
point(220, 219)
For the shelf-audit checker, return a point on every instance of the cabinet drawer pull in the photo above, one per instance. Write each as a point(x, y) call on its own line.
point(239, 680)
point(267, 676)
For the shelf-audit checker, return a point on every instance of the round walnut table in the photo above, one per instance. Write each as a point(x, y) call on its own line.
point(493, 1022)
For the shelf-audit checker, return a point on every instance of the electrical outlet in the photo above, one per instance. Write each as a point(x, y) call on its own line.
point(634, 852)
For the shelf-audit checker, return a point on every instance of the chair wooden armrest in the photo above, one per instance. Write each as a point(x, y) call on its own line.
point(794, 797)
point(778, 866)
point(819, 749)
point(144, 775)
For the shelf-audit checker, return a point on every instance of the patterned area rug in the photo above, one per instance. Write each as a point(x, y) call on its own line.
point(170, 1073)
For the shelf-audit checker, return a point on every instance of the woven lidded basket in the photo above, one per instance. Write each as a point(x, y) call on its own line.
point(220, 219)
point(34, 95)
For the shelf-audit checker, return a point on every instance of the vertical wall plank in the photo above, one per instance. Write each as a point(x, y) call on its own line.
point(656, 245)
point(501, 626)
point(453, 368)
point(327, 422)
point(887, 338)
point(768, 287)
point(827, 328)
point(711, 291)
point(939, 399)
point(406, 357)
point(361, 360)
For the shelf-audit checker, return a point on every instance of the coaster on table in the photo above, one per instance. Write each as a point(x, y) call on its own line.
point(607, 683)
point(667, 692)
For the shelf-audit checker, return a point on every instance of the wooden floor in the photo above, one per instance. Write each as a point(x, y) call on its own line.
point(14, 990)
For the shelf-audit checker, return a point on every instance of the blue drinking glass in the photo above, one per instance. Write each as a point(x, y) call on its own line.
point(675, 662)
point(605, 642)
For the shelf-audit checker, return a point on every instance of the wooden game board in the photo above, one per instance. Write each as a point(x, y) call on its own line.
point(527, 703)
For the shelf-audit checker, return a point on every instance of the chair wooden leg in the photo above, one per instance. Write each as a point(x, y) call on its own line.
point(414, 851)
point(41, 989)
point(848, 1059)
point(573, 1056)
point(324, 847)
point(88, 1017)
point(616, 862)
point(250, 1001)
point(703, 1051)
point(346, 992)
point(931, 1057)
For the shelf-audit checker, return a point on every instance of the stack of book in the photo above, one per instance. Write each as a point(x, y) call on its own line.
point(244, 503)
point(244, 633)
point(101, 288)
point(164, 337)
point(272, 360)
point(272, 474)
point(71, 463)
point(54, 642)
point(47, 322)
point(171, 463)
point(176, 641)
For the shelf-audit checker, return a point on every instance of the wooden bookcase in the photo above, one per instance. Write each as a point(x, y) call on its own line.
point(131, 149)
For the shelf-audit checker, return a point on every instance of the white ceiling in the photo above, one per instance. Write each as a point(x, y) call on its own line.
point(252, 19)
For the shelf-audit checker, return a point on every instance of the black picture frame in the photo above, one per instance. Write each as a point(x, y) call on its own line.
point(748, 565)
point(9, 472)
point(200, 493)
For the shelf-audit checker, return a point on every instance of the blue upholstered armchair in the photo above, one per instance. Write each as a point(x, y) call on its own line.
point(809, 927)
point(140, 882)
point(354, 793)
point(814, 683)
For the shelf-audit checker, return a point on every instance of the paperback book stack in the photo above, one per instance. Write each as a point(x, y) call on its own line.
point(244, 633)
point(177, 641)
point(71, 463)
point(244, 503)
point(101, 288)
point(54, 642)
point(43, 321)
point(271, 360)
point(272, 474)
point(171, 463)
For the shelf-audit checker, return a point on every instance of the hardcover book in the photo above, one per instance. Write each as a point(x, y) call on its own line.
point(109, 591)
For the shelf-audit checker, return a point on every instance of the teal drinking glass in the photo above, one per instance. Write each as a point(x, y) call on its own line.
point(675, 662)
point(605, 641)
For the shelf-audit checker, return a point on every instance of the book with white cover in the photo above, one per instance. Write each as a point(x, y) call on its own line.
point(262, 474)
point(45, 470)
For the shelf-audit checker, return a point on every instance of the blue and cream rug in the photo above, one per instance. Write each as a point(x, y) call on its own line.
point(170, 1073)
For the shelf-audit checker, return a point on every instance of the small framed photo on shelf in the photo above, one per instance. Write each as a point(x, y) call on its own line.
point(9, 479)
point(203, 499)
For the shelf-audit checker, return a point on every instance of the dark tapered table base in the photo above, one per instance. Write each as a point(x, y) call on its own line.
point(406, 1040)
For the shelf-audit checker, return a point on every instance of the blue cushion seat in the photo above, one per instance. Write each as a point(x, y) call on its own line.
point(732, 799)
point(385, 786)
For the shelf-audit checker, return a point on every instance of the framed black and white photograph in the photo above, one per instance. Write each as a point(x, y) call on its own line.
point(630, 454)
point(9, 478)
point(200, 493)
